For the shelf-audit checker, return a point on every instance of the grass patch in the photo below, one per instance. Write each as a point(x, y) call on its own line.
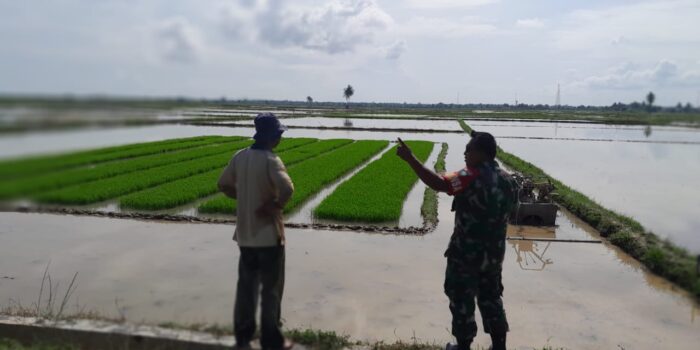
point(318, 339)
point(309, 176)
point(440, 162)
point(27, 186)
point(9, 344)
point(660, 256)
point(377, 192)
point(189, 189)
point(33, 166)
point(429, 208)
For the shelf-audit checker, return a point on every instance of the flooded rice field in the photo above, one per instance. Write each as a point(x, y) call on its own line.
point(651, 182)
point(377, 287)
point(654, 183)
point(324, 122)
point(577, 295)
point(622, 176)
point(588, 131)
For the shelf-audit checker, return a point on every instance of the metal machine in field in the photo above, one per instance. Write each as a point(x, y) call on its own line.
point(535, 206)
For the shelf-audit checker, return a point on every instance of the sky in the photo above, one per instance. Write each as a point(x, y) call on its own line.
point(429, 51)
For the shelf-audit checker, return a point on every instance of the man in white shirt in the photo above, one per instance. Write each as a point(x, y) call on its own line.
point(258, 180)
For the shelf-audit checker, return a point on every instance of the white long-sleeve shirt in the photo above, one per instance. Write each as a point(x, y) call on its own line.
point(255, 177)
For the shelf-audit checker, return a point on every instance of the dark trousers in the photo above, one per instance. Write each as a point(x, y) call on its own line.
point(474, 272)
point(260, 267)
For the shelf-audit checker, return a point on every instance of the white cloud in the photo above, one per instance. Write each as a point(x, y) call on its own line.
point(445, 28)
point(395, 51)
point(177, 41)
point(442, 4)
point(338, 26)
point(529, 23)
point(631, 76)
point(645, 24)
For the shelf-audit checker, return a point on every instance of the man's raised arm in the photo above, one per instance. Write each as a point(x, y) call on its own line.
point(429, 177)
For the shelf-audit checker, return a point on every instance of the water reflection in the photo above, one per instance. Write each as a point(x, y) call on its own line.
point(647, 131)
point(531, 254)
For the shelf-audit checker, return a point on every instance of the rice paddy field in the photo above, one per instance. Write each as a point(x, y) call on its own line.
point(162, 175)
point(586, 294)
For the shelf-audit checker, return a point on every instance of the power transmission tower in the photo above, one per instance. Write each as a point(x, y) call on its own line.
point(557, 103)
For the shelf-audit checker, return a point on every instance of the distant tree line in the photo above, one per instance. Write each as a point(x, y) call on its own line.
point(96, 101)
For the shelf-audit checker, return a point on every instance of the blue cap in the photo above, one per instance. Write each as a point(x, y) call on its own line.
point(268, 127)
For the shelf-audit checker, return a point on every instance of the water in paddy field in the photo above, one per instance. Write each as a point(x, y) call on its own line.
point(385, 287)
point(368, 286)
point(588, 131)
point(654, 183)
point(452, 125)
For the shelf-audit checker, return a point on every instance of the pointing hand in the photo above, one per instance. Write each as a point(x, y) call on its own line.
point(403, 151)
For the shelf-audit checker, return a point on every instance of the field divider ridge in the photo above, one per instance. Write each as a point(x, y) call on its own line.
point(429, 207)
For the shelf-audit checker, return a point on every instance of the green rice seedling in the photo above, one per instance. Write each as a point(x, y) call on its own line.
point(310, 176)
point(294, 156)
point(39, 165)
point(100, 190)
point(55, 180)
point(219, 204)
point(187, 190)
point(377, 192)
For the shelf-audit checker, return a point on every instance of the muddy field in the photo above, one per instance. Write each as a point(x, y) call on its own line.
point(578, 295)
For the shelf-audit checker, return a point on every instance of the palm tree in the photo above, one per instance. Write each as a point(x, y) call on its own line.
point(309, 100)
point(348, 92)
point(650, 100)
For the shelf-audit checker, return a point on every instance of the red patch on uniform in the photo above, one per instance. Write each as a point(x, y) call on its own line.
point(458, 181)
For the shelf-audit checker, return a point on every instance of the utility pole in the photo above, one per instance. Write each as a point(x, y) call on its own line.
point(557, 103)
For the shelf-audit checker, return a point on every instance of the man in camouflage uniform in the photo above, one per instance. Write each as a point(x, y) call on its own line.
point(484, 196)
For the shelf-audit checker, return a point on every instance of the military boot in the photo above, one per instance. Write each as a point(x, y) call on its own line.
point(460, 346)
point(498, 341)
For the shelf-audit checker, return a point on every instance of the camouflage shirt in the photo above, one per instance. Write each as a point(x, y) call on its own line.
point(484, 196)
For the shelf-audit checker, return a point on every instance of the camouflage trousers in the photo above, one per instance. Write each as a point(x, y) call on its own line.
point(474, 272)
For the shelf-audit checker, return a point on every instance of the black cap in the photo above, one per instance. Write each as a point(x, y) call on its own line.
point(484, 142)
point(268, 127)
